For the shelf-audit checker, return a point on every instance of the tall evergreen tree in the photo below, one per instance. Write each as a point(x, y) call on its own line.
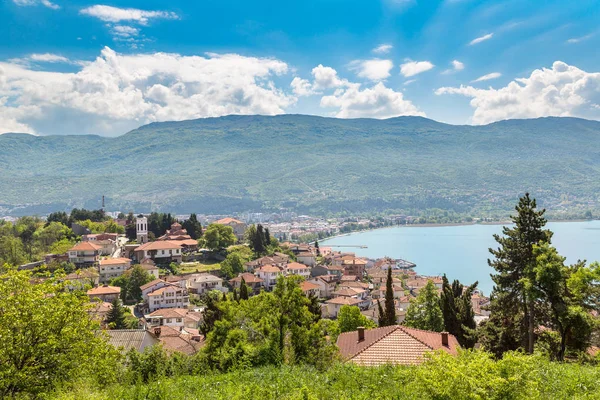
point(381, 317)
point(457, 310)
point(314, 306)
point(267, 237)
point(317, 248)
point(211, 313)
point(193, 226)
point(390, 305)
point(243, 290)
point(512, 323)
point(116, 316)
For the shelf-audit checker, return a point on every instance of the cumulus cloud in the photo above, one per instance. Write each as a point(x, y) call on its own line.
point(412, 68)
point(562, 90)
point(124, 31)
point(375, 102)
point(49, 57)
point(301, 87)
point(382, 49)
point(326, 77)
point(115, 14)
point(488, 77)
point(118, 90)
point(374, 70)
point(481, 39)
point(46, 3)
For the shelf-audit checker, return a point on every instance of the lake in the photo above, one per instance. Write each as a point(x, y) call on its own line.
point(461, 252)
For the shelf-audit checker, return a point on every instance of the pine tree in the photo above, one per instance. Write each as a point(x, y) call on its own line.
point(116, 317)
point(211, 314)
point(317, 248)
point(314, 306)
point(390, 304)
point(513, 311)
point(243, 290)
point(267, 237)
point(457, 310)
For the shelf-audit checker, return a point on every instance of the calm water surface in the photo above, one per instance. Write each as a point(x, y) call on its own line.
point(462, 251)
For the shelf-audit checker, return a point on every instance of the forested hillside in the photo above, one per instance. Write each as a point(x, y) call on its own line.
point(308, 164)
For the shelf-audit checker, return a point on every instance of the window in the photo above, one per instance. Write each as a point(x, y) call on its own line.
point(171, 252)
point(178, 319)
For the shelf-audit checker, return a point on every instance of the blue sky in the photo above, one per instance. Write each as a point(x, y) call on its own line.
point(69, 67)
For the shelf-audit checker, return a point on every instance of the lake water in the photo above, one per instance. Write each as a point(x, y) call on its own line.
point(461, 252)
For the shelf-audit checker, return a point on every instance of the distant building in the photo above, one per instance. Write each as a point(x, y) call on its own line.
point(251, 280)
point(269, 275)
point(160, 251)
point(141, 230)
point(105, 293)
point(239, 228)
point(127, 339)
point(110, 268)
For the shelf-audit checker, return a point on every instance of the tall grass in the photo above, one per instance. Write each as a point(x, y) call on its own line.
point(471, 375)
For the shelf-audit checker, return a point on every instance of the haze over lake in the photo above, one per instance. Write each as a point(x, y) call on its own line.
point(461, 252)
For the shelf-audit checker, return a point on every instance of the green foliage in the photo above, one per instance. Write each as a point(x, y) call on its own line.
point(243, 290)
point(472, 375)
point(82, 214)
point(349, 319)
point(217, 237)
point(47, 338)
point(193, 227)
point(158, 223)
point(259, 239)
point(233, 264)
point(107, 226)
point(117, 316)
point(457, 310)
point(130, 283)
point(424, 312)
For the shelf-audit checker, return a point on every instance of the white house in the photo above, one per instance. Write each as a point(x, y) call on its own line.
point(295, 268)
point(307, 258)
point(334, 305)
point(204, 283)
point(168, 296)
point(269, 275)
point(110, 268)
point(160, 251)
point(84, 254)
point(326, 286)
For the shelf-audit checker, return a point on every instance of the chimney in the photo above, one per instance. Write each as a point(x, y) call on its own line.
point(157, 332)
point(361, 333)
point(445, 339)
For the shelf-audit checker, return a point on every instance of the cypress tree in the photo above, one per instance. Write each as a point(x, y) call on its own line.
point(381, 317)
point(267, 237)
point(243, 290)
point(513, 311)
point(390, 306)
point(457, 310)
point(116, 316)
point(317, 248)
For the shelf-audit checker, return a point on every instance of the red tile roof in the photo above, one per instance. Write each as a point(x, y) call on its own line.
point(151, 283)
point(269, 268)
point(306, 286)
point(101, 290)
point(296, 265)
point(248, 278)
point(159, 245)
point(392, 344)
point(85, 246)
point(227, 221)
point(115, 261)
point(349, 301)
point(169, 313)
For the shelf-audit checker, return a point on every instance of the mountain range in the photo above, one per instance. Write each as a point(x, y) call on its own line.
point(307, 164)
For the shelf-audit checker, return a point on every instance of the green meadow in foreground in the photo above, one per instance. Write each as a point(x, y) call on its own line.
point(471, 375)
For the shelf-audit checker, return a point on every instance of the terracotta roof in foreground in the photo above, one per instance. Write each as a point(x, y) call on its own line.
point(392, 344)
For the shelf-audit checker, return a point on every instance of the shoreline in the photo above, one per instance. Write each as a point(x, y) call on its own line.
point(434, 225)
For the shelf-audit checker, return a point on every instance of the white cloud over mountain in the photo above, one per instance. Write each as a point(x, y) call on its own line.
point(563, 91)
point(124, 91)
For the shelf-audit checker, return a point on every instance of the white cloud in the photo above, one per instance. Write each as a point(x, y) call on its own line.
point(376, 102)
point(124, 31)
point(408, 82)
point(46, 3)
point(488, 77)
point(374, 70)
point(326, 77)
point(580, 39)
point(481, 39)
point(412, 68)
point(456, 66)
point(562, 90)
point(48, 57)
point(382, 49)
point(118, 91)
point(301, 87)
point(115, 14)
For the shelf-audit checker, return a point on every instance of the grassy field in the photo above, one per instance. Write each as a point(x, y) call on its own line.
point(206, 266)
point(472, 375)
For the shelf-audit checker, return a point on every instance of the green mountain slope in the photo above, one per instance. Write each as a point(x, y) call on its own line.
point(307, 163)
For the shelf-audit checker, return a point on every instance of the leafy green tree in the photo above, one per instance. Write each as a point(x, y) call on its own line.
point(349, 319)
point(130, 283)
point(513, 313)
point(12, 251)
point(457, 310)
point(193, 226)
point(218, 237)
point(59, 216)
point(568, 291)
point(48, 338)
point(233, 264)
point(116, 317)
point(424, 312)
